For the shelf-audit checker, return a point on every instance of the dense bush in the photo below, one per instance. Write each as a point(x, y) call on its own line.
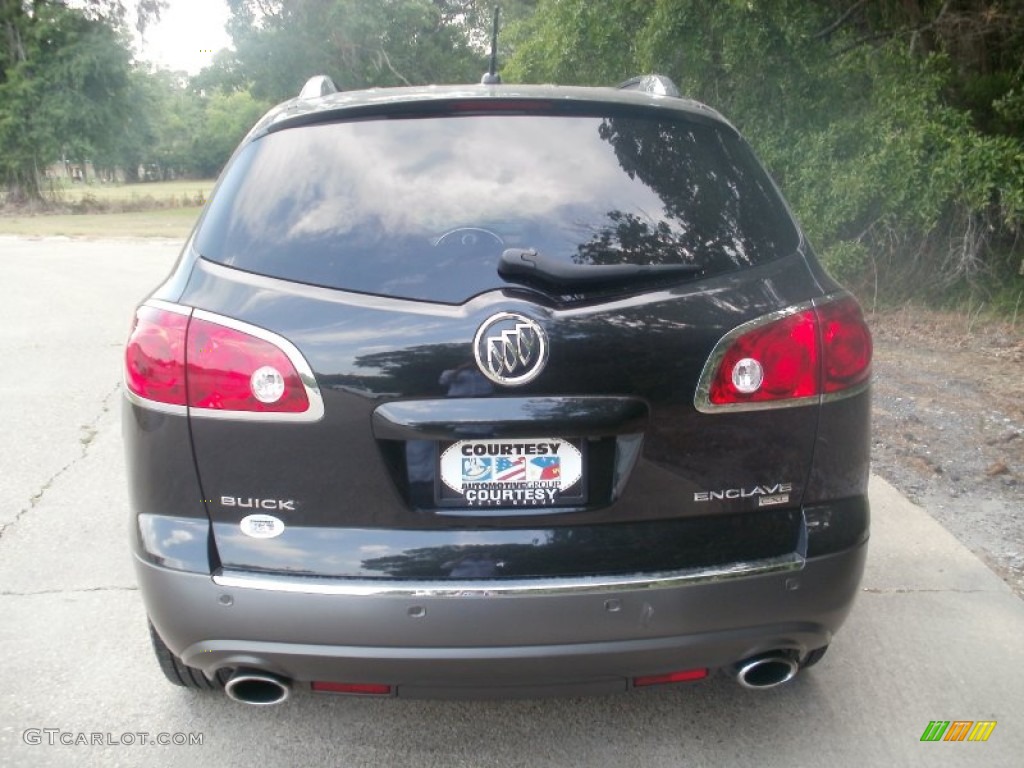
point(859, 114)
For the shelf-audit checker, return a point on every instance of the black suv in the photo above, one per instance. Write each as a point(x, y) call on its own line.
point(495, 391)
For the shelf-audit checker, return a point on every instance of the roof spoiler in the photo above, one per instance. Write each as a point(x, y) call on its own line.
point(317, 86)
point(656, 85)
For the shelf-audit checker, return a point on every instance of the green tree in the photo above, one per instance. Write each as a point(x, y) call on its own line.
point(359, 43)
point(136, 134)
point(65, 87)
point(225, 121)
point(179, 111)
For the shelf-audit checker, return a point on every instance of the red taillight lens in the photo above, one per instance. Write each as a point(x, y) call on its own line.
point(235, 371)
point(155, 356)
point(817, 351)
point(787, 351)
point(846, 341)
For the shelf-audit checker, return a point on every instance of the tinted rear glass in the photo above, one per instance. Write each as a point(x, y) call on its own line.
point(423, 208)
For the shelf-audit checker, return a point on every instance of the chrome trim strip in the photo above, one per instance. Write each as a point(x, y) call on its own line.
point(842, 394)
point(152, 405)
point(481, 302)
point(770, 405)
point(167, 306)
point(575, 586)
point(340, 296)
point(702, 397)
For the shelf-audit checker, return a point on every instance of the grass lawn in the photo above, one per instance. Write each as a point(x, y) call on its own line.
point(168, 209)
point(114, 193)
point(163, 222)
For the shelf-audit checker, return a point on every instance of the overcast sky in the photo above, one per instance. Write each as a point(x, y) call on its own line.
point(187, 36)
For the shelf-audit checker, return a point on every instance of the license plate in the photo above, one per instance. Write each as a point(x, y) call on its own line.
point(512, 473)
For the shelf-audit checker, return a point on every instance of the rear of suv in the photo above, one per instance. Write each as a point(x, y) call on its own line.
point(495, 391)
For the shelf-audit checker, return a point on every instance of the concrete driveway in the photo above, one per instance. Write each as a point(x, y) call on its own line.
point(934, 635)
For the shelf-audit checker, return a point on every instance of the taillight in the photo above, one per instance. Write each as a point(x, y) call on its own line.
point(229, 370)
point(154, 361)
point(217, 366)
point(789, 360)
point(846, 342)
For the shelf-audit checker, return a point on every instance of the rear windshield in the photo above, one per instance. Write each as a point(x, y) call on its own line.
point(423, 208)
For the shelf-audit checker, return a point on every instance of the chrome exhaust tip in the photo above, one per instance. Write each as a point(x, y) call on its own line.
point(766, 670)
point(261, 689)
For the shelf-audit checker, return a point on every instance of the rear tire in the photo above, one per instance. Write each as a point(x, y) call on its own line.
point(813, 657)
point(178, 672)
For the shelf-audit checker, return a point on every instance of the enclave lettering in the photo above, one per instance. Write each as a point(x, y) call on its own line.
point(743, 493)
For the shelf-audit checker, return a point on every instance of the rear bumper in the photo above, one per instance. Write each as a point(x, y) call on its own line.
point(478, 641)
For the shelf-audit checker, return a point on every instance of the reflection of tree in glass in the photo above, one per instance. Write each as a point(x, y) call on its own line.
point(631, 240)
point(719, 209)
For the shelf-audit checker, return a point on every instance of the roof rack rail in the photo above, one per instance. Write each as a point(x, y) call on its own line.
point(317, 86)
point(491, 76)
point(657, 85)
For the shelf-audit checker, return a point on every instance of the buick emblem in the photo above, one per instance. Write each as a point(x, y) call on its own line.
point(510, 349)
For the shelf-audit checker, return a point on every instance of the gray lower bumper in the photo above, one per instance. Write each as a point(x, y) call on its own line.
point(486, 641)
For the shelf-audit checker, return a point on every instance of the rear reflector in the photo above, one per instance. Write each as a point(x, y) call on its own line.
point(217, 366)
point(684, 676)
point(372, 689)
point(790, 358)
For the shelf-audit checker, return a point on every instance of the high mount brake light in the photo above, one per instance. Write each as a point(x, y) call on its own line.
point(531, 106)
point(791, 358)
point(218, 367)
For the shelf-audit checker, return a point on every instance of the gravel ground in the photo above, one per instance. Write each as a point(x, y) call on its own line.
point(949, 427)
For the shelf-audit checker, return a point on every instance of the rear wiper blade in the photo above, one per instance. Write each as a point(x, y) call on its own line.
point(527, 263)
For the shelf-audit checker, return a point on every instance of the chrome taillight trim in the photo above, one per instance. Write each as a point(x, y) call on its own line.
point(830, 397)
point(314, 412)
point(509, 588)
point(702, 397)
point(152, 405)
point(167, 306)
